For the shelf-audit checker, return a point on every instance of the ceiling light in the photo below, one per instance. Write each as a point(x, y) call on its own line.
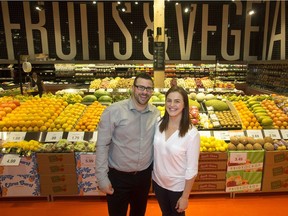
point(251, 12)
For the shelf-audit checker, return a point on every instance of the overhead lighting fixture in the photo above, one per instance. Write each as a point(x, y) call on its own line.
point(94, 2)
point(121, 7)
point(251, 12)
point(40, 6)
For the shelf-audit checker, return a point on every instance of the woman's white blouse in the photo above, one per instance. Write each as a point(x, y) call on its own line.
point(175, 160)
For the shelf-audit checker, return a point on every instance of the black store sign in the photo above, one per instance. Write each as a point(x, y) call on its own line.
point(159, 56)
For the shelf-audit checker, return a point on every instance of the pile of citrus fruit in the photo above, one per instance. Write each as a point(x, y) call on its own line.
point(248, 119)
point(90, 119)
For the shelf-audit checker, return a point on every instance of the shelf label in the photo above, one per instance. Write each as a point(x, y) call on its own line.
point(274, 133)
point(210, 89)
point(75, 136)
point(257, 134)
point(53, 136)
point(88, 160)
point(92, 90)
point(205, 133)
point(16, 136)
point(237, 133)
point(222, 135)
point(10, 160)
point(109, 90)
point(201, 89)
point(94, 137)
point(192, 89)
point(284, 133)
point(238, 158)
point(122, 90)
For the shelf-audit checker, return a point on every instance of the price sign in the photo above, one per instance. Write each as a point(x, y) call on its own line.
point(201, 89)
point(53, 136)
point(122, 90)
point(10, 160)
point(205, 133)
point(94, 137)
point(257, 134)
point(274, 133)
point(238, 158)
point(109, 90)
point(16, 136)
point(75, 136)
point(192, 90)
point(222, 135)
point(92, 90)
point(284, 133)
point(88, 159)
point(210, 89)
point(238, 133)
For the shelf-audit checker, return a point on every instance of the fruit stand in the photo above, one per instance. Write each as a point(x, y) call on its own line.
point(243, 140)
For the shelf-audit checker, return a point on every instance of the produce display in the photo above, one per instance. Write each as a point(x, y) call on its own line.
point(211, 144)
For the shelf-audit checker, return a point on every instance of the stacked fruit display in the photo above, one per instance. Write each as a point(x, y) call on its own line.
point(68, 118)
point(91, 117)
point(36, 115)
point(24, 148)
point(248, 119)
point(194, 115)
point(211, 144)
point(277, 115)
point(7, 105)
point(64, 145)
point(250, 143)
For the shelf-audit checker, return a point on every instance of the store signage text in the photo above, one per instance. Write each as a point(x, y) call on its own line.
point(185, 39)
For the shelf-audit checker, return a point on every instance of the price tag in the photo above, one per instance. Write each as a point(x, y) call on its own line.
point(16, 136)
point(109, 90)
point(237, 133)
point(205, 133)
point(192, 89)
point(257, 134)
point(75, 136)
point(274, 133)
point(122, 90)
point(10, 160)
point(53, 136)
point(222, 135)
point(200, 89)
point(284, 133)
point(210, 89)
point(238, 158)
point(88, 159)
point(94, 137)
point(92, 90)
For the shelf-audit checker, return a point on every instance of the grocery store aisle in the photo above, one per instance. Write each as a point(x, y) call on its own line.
point(200, 205)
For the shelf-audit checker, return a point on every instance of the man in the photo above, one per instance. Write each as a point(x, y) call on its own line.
point(124, 150)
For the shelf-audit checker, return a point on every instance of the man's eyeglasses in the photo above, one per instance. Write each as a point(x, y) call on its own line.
point(142, 88)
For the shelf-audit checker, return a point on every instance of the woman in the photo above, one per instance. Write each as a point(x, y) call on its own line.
point(176, 154)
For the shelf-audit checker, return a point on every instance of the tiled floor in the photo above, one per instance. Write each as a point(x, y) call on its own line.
point(200, 205)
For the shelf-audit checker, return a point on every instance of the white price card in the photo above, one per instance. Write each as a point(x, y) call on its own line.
point(192, 90)
point(88, 159)
point(273, 133)
point(122, 90)
point(210, 89)
point(284, 133)
point(201, 89)
point(94, 137)
point(205, 133)
point(16, 136)
point(10, 160)
point(238, 158)
point(53, 136)
point(109, 90)
point(222, 135)
point(257, 134)
point(237, 133)
point(92, 90)
point(75, 136)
